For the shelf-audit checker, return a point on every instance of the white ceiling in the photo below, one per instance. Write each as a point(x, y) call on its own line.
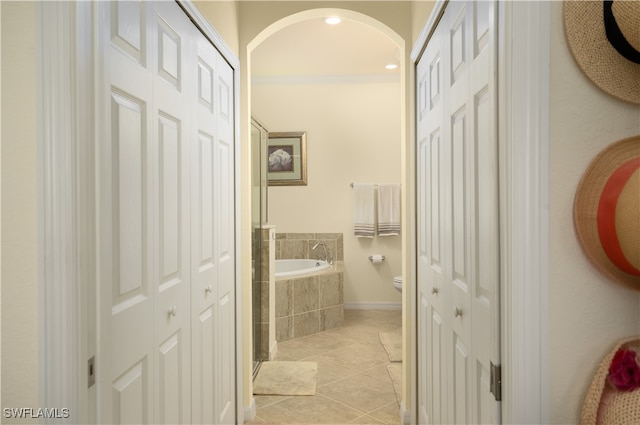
point(314, 48)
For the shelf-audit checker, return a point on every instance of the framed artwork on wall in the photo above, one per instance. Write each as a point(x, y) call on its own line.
point(287, 158)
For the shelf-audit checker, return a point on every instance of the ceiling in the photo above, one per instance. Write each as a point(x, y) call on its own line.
point(314, 48)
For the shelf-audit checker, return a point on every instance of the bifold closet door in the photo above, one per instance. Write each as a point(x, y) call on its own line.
point(458, 302)
point(212, 239)
point(165, 171)
point(144, 366)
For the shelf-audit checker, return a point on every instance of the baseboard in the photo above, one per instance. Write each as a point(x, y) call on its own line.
point(250, 411)
point(373, 306)
point(405, 415)
point(273, 350)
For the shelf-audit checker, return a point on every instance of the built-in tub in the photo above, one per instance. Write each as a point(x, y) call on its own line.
point(308, 297)
point(298, 267)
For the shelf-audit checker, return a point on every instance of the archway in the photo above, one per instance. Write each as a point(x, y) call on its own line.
point(302, 16)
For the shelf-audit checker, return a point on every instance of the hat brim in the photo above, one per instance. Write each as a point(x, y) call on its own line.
point(598, 59)
point(586, 204)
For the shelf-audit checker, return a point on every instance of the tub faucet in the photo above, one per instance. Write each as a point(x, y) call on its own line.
point(327, 258)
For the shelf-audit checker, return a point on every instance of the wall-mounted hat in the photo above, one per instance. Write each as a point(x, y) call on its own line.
point(606, 211)
point(604, 38)
point(604, 405)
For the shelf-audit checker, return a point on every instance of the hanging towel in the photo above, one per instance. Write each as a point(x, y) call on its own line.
point(363, 210)
point(388, 210)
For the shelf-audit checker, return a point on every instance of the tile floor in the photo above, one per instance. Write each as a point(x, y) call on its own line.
point(353, 384)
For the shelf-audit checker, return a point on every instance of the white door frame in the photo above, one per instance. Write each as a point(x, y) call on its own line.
point(67, 246)
point(523, 129)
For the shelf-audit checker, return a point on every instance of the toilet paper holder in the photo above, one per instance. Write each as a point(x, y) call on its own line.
point(376, 258)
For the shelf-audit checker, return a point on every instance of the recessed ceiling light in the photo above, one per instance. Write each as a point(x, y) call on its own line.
point(391, 66)
point(333, 20)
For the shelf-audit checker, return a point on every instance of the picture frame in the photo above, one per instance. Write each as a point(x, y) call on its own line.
point(287, 158)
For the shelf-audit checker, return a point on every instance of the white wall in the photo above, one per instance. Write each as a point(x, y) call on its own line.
point(19, 232)
point(588, 313)
point(353, 135)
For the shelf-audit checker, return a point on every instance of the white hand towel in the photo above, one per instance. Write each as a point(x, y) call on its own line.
point(363, 210)
point(388, 210)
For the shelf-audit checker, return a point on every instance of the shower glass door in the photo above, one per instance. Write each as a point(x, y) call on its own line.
point(259, 137)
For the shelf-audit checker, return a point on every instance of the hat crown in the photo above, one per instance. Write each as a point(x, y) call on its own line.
point(627, 15)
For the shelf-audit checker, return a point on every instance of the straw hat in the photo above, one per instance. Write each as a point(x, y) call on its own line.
point(605, 406)
point(606, 211)
point(605, 42)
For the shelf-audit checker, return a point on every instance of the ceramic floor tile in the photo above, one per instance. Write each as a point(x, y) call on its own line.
point(379, 372)
point(388, 414)
point(266, 400)
point(293, 353)
point(360, 392)
point(309, 410)
point(358, 356)
point(366, 419)
point(330, 371)
point(353, 384)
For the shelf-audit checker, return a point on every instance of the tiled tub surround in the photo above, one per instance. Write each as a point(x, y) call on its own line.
point(311, 303)
point(299, 245)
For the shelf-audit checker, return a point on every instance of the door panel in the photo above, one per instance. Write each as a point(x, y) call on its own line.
point(458, 217)
point(127, 359)
point(167, 218)
point(169, 34)
point(130, 399)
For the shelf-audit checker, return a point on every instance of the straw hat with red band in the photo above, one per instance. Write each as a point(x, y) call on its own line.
point(607, 211)
point(604, 38)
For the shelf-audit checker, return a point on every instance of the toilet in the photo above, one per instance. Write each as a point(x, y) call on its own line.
point(397, 283)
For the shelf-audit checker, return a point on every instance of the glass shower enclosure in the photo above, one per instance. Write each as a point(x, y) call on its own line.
point(259, 136)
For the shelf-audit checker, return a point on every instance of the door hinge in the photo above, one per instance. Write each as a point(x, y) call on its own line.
point(91, 371)
point(496, 381)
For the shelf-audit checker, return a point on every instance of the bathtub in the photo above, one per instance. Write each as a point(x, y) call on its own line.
point(288, 268)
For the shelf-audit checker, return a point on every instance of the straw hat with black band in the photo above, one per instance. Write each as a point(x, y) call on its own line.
point(606, 211)
point(604, 38)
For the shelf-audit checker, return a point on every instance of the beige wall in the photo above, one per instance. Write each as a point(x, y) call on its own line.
point(420, 11)
point(587, 313)
point(19, 239)
point(223, 16)
point(353, 135)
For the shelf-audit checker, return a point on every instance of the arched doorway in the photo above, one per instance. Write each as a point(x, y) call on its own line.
point(315, 14)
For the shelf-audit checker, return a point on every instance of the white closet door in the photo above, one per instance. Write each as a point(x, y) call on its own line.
point(167, 335)
point(226, 245)
point(171, 35)
point(432, 197)
point(127, 361)
point(458, 218)
point(213, 244)
point(145, 335)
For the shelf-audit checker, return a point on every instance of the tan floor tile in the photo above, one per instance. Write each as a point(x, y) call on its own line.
point(388, 414)
point(361, 392)
point(293, 353)
point(352, 377)
point(366, 419)
point(329, 371)
point(379, 372)
point(359, 356)
point(310, 410)
point(266, 400)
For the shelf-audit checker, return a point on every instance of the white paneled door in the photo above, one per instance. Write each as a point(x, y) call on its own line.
point(166, 220)
point(457, 186)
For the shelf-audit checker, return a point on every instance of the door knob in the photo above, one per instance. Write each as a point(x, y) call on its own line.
point(434, 290)
point(457, 312)
point(173, 310)
point(208, 289)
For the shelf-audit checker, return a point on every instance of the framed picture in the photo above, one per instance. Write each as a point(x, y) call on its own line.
point(287, 159)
